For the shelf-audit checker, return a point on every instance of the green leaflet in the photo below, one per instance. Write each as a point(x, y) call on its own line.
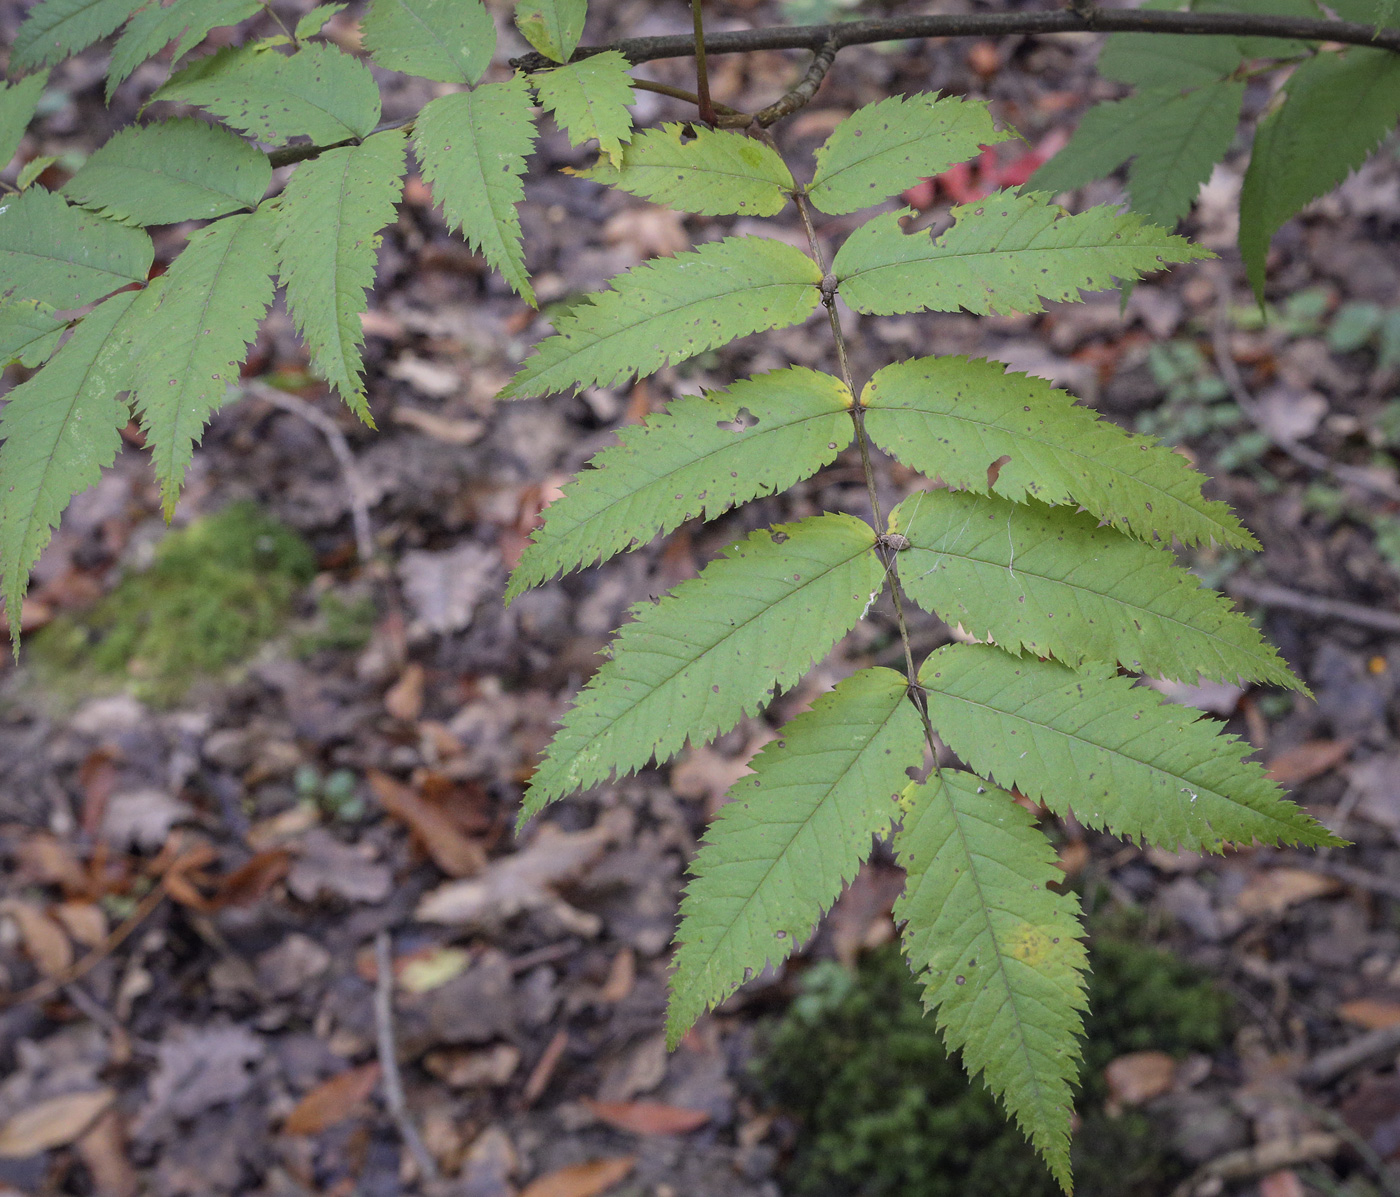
point(17, 104)
point(1174, 138)
point(712, 651)
point(318, 92)
point(700, 458)
point(328, 238)
point(28, 332)
point(670, 309)
point(715, 173)
point(1266, 47)
point(1005, 254)
point(589, 99)
point(553, 27)
point(451, 41)
point(979, 428)
point(194, 326)
point(154, 27)
point(1175, 60)
point(792, 834)
point(998, 950)
point(63, 256)
point(472, 147)
point(1117, 754)
point(54, 29)
point(884, 148)
point(61, 428)
point(169, 172)
point(314, 21)
point(1050, 582)
point(1338, 109)
point(32, 170)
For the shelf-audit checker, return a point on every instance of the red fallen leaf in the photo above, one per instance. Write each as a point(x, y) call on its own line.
point(332, 1101)
point(1309, 760)
point(647, 1117)
point(451, 851)
point(581, 1180)
point(253, 878)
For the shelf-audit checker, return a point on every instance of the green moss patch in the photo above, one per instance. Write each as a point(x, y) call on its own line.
point(884, 1112)
point(214, 593)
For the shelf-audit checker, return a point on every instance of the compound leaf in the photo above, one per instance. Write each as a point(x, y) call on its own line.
point(553, 27)
point(1003, 254)
point(886, 147)
point(1338, 108)
point(451, 41)
point(999, 951)
point(670, 309)
point(154, 27)
point(63, 256)
point(169, 172)
point(1119, 755)
point(328, 250)
point(54, 29)
point(319, 92)
point(717, 172)
point(589, 99)
point(793, 833)
point(703, 456)
point(1174, 138)
point(17, 104)
point(472, 147)
point(970, 423)
point(1051, 582)
point(711, 652)
point(28, 332)
point(61, 427)
point(196, 322)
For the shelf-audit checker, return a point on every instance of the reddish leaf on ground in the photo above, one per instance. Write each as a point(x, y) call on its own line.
point(647, 1117)
point(451, 851)
point(1306, 761)
point(332, 1101)
point(581, 1180)
point(1371, 1014)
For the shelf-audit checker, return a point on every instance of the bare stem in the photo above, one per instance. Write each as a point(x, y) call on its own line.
point(702, 71)
point(802, 94)
point(389, 1059)
point(992, 24)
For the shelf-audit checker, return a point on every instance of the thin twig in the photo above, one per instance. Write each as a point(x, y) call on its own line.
point(802, 94)
point(702, 71)
point(1304, 455)
point(1329, 1065)
point(1002, 24)
point(679, 93)
point(355, 484)
point(1267, 594)
point(1386, 887)
point(389, 1060)
point(44, 990)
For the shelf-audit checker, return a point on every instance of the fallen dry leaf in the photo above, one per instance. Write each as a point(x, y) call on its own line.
point(451, 851)
point(45, 942)
point(1309, 760)
point(332, 1101)
point(103, 1151)
point(253, 878)
point(52, 1123)
point(404, 699)
point(85, 922)
point(519, 882)
point(1273, 891)
point(581, 1180)
point(647, 1117)
point(1138, 1077)
point(1281, 1184)
point(1371, 1014)
point(424, 971)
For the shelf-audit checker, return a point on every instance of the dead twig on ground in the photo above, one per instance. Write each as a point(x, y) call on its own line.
point(1260, 1159)
point(1267, 594)
point(1326, 1067)
point(355, 486)
point(389, 1060)
point(1304, 455)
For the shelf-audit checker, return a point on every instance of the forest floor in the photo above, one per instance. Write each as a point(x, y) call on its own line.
point(197, 883)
